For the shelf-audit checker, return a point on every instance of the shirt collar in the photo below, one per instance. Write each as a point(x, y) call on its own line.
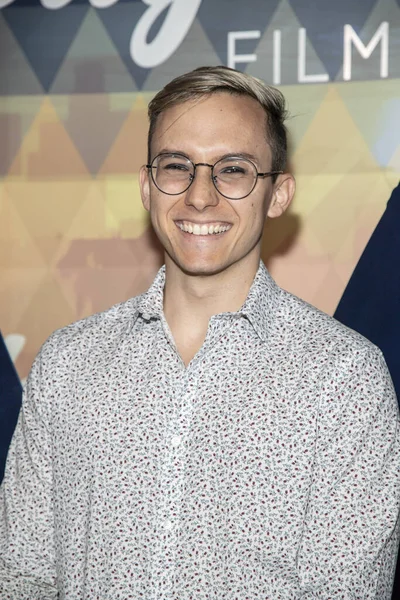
point(150, 304)
point(262, 302)
point(259, 307)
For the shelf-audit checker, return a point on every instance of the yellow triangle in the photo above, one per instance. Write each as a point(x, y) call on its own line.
point(47, 209)
point(311, 188)
point(47, 151)
point(129, 151)
point(126, 216)
point(94, 220)
point(370, 192)
point(332, 143)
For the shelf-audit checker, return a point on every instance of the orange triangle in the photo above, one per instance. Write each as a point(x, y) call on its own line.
point(18, 247)
point(18, 286)
point(47, 209)
point(129, 151)
point(91, 289)
point(47, 151)
point(47, 311)
point(330, 291)
point(299, 274)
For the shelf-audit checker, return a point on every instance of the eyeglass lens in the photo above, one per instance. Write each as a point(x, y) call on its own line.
point(233, 177)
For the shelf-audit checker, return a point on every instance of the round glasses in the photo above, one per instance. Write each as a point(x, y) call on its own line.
point(233, 177)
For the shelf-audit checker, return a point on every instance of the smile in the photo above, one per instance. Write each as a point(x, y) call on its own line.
point(204, 229)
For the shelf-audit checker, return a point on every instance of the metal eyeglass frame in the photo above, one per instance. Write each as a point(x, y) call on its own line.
point(150, 167)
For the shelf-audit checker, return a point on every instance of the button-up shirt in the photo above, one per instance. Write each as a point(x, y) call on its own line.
point(268, 468)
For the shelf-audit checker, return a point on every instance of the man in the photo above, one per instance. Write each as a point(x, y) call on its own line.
point(215, 437)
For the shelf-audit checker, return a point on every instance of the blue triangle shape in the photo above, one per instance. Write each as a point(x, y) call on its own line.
point(324, 21)
point(44, 35)
point(17, 76)
point(120, 20)
point(92, 63)
point(219, 18)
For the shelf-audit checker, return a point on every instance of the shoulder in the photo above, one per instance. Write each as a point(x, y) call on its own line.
point(320, 336)
point(304, 321)
point(100, 332)
point(350, 365)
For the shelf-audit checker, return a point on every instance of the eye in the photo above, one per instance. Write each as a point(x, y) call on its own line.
point(230, 170)
point(175, 167)
point(233, 170)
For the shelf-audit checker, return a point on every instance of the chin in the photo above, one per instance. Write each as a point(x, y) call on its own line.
point(201, 271)
point(201, 268)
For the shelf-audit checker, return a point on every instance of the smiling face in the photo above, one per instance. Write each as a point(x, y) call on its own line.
point(202, 232)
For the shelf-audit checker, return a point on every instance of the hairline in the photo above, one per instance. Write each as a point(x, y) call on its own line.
point(192, 97)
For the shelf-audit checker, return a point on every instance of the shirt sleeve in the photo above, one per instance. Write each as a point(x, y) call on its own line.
point(350, 539)
point(27, 557)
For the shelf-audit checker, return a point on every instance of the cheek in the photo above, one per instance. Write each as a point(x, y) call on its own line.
point(250, 220)
point(160, 212)
point(156, 216)
point(256, 214)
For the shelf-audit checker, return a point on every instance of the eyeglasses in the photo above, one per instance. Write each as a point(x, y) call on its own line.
point(233, 177)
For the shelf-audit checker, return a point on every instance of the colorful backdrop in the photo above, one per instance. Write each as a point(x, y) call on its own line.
point(75, 80)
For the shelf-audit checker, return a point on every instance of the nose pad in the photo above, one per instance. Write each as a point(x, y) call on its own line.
point(202, 192)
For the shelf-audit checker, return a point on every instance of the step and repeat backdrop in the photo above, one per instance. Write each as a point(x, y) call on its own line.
point(75, 80)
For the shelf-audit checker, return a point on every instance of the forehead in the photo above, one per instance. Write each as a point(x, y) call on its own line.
point(216, 124)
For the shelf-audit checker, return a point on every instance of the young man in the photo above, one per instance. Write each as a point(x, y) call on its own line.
point(216, 437)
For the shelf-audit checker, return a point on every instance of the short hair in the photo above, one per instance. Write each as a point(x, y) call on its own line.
point(205, 81)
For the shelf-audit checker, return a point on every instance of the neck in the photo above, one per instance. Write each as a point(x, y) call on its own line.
point(191, 300)
point(199, 297)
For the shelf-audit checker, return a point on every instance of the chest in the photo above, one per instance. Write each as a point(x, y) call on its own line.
point(221, 451)
point(241, 405)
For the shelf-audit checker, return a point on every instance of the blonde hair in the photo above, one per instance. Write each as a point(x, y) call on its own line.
point(210, 80)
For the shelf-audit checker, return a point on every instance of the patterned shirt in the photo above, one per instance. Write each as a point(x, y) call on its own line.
point(268, 468)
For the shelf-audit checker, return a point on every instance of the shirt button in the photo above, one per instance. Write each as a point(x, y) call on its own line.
point(168, 525)
point(176, 440)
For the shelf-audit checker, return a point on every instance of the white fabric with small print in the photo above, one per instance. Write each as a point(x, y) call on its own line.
point(266, 469)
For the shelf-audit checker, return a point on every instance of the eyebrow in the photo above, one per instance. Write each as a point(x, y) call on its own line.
point(227, 155)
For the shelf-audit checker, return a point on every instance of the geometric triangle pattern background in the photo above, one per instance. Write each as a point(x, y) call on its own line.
point(74, 237)
point(93, 63)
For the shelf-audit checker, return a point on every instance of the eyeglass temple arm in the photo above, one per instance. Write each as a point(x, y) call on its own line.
point(269, 173)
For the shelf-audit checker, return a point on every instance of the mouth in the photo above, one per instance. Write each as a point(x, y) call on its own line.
point(203, 228)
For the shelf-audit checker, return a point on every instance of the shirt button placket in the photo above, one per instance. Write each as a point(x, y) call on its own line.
point(171, 488)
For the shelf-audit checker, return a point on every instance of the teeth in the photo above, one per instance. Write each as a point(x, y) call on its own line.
point(197, 229)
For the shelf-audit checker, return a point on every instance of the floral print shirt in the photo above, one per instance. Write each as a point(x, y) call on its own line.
point(268, 468)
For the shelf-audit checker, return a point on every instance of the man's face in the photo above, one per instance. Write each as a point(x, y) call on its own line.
point(204, 131)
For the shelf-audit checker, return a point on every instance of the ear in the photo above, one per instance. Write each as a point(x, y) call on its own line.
point(144, 182)
point(282, 195)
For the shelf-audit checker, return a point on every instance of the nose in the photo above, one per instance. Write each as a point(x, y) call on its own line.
point(202, 192)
